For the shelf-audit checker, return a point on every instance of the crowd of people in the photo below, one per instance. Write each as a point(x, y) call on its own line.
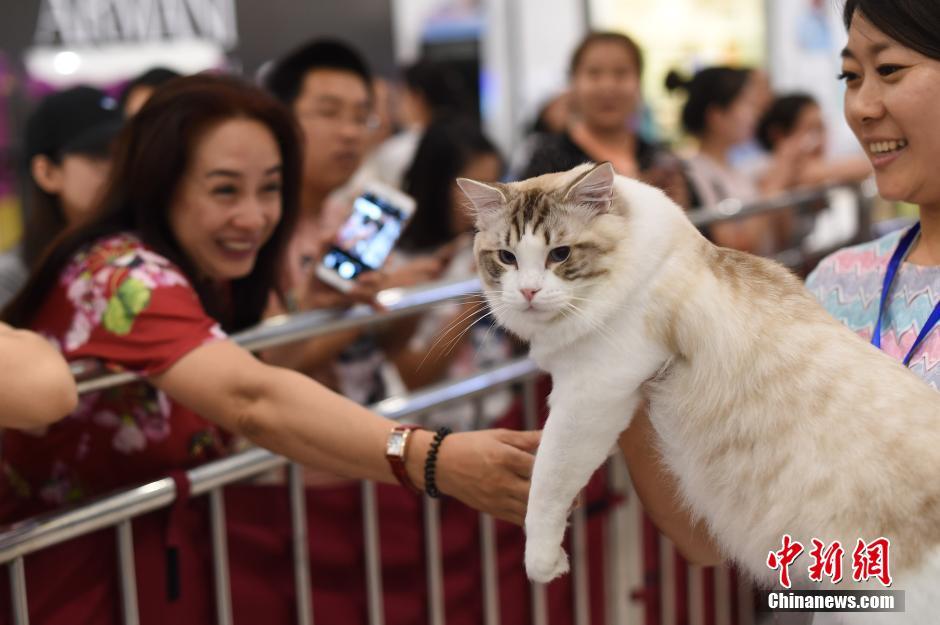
point(194, 207)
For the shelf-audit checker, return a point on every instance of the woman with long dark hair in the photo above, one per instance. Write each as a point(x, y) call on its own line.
point(184, 251)
point(456, 340)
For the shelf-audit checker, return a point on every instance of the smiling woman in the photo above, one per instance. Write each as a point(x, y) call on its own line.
point(229, 201)
point(891, 67)
point(186, 248)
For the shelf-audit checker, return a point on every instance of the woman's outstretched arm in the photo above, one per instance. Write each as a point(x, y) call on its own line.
point(292, 415)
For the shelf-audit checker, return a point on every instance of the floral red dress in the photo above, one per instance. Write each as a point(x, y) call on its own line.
point(119, 302)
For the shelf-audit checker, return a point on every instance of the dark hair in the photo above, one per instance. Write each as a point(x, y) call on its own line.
point(441, 88)
point(781, 116)
point(286, 78)
point(151, 78)
point(711, 87)
point(447, 147)
point(45, 221)
point(151, 156)
point(912, 23)
point(606, 37)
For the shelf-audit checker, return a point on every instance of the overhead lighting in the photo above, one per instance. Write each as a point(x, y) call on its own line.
point(66, 63)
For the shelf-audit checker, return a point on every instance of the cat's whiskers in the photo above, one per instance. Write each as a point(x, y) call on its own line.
point(452, 344)
point(443, 333)
point(592, 323)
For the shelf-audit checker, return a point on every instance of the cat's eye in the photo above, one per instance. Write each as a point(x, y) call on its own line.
point(506, 257)
point(559, 254)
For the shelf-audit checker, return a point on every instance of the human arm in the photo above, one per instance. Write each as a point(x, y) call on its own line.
point(846, 169)
point(37, 386)
point(292, 415)
point(658, 492)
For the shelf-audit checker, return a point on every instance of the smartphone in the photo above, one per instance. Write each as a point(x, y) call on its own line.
point(367, 237)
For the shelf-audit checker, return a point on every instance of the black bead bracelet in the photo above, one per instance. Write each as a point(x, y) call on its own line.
point(430, 464)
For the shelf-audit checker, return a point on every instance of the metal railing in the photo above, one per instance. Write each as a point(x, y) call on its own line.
point(117, 510)
point(802, 201)
point(731, 209)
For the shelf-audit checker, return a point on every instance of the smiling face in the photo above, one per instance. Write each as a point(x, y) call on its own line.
point(542, 251)
point(229, 200)
point(891, 105)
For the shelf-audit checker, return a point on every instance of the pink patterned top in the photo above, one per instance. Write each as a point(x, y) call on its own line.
point(848, 284)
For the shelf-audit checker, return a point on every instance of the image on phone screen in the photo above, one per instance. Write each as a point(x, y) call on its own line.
point(366, 239)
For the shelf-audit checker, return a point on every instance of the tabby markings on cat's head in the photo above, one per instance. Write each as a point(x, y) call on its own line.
point(537, 249)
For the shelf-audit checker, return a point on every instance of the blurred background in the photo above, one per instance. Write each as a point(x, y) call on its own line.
point(512, 54)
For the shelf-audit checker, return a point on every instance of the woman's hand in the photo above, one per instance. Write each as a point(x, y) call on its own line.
point(488, 470)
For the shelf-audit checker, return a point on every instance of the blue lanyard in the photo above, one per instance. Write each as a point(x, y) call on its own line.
point(899, 253)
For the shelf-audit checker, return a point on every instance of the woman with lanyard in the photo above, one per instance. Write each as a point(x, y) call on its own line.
point(887, 290)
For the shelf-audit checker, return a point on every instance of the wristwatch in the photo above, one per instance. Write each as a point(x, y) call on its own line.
point(395, 449)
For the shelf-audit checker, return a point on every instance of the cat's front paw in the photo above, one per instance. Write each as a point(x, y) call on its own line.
point(545, 563)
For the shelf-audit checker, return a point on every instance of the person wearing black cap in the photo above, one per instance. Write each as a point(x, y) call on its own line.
point(67, 149)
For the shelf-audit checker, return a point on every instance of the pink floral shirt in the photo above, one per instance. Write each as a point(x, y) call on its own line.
point(121, 303)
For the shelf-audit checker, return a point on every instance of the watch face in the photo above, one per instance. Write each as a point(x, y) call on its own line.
point(396, 444)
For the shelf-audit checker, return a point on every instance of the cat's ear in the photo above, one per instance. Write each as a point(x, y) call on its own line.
point(594, 190)
point(486, 199)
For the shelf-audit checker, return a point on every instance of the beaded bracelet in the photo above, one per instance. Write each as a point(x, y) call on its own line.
point(430, 464)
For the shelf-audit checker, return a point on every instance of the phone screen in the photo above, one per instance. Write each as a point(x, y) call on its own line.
point(367, 237)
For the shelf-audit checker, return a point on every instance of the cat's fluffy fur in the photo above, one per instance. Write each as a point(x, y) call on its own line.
point(775, 418)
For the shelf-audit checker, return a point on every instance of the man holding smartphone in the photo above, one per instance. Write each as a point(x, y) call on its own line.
point(328, 86)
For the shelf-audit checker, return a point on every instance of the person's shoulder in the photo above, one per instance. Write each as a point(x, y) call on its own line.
point(855, 265)
point(116, 258)
point(862, 257)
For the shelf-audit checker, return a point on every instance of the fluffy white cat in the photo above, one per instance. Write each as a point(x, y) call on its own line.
point(775, 418)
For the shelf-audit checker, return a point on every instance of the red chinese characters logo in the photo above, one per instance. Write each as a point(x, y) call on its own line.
point(784, 558)
point(827, 561)
point(871, 560)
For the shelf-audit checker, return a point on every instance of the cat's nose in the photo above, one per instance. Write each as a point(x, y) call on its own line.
point(529, 294)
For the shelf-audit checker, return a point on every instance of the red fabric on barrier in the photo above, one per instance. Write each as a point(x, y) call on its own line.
point(77, 582)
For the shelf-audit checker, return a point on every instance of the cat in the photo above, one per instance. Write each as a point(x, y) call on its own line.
point(774, 417)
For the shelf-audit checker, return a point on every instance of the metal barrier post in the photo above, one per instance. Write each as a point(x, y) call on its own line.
point(432, 546)
point(370, 526)
point(490, 571)
point(530, 410)
point(223, 593)
point(488, 548)
point(299, 543)
point(579, 567)
point(615, 588)
point(125, 545)
point(18, 592)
